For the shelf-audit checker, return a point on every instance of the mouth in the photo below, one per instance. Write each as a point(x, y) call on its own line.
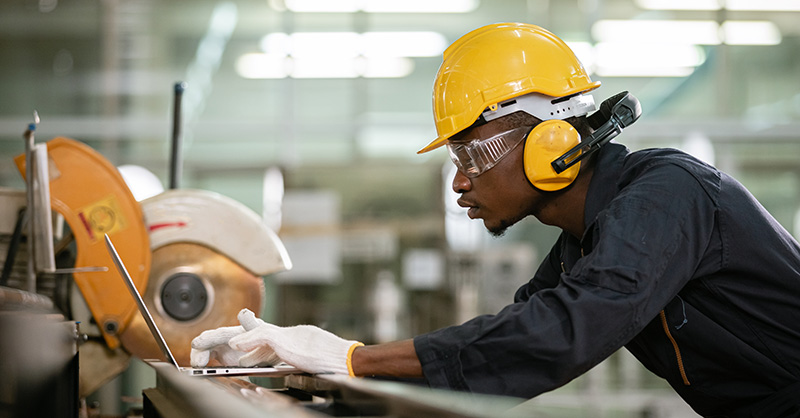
point(472, 208)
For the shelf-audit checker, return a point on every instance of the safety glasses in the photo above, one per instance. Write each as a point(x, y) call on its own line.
point(475, 157)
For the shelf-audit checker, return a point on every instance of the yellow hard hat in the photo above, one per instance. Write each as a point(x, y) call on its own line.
point(496, 63)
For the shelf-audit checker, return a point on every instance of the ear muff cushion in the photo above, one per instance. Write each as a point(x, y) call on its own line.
point(546, 142)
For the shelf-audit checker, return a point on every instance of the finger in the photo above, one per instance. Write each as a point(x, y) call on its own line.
point(199, 358)
point(261, 356)
point(250, 340)
point(227, 356)
point(214, 337)
point(248, 319)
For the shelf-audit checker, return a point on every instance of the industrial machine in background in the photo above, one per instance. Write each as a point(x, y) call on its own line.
point(196, 256)
point(209, 255)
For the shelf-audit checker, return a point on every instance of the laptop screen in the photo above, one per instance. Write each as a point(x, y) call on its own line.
point(162, 344)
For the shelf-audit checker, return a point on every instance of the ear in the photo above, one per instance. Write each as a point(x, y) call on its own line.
point(547, 142)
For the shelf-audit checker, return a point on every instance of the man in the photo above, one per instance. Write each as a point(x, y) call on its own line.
point(660, 253)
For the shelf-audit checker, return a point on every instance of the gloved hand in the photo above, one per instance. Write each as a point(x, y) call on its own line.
point(306, 347)
point(214, 344)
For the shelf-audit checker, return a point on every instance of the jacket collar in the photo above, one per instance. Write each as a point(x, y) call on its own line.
point(603, 186)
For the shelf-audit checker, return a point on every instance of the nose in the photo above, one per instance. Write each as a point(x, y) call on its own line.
point(461, 183)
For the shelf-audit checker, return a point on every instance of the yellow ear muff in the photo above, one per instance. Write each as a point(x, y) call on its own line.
point(546, 142)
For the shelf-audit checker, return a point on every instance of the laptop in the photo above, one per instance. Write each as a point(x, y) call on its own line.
point(274, 371)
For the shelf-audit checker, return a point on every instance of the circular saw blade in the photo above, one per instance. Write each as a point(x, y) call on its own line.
point(226, 287)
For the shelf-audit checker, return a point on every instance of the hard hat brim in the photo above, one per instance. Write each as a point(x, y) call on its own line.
point(437, 143)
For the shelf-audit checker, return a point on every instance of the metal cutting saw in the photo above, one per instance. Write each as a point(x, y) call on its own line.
point(197, 257)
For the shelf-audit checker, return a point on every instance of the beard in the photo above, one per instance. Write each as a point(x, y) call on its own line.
point(500, 230)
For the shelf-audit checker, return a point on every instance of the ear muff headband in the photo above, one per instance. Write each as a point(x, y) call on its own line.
point(616, 113)
point(548, 168)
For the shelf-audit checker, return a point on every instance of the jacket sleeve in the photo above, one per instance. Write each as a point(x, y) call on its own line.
point(646, 245)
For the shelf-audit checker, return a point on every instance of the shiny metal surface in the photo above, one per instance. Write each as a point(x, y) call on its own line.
point(302, 395)
point(178, 396)
point(228, 287)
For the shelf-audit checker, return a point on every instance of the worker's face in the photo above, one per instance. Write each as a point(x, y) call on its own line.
point(501, 195)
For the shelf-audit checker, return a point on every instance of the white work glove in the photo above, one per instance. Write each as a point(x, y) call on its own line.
point(214, 344)
point(306, 347)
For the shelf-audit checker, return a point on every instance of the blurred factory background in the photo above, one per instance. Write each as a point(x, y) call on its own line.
point(309, 114)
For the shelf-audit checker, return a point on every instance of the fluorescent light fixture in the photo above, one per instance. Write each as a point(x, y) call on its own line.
point(698, 32)
point(257, 65)
point(641, 60)
point(323, 67)
point(419, 6)
point(317, 44)
point(687, 32)
point(272, 66)
point(679, 4)
point(403, 44)
point(737, 5)
point(387, 67)
point(740, 32)
point(763, 5)
point(351, 44)
point(340, 54)
point(276, 43)
point(307, 67)
point(382, 6)
point(323, 6)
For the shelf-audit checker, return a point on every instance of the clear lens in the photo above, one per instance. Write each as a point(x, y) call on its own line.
point(475, 157)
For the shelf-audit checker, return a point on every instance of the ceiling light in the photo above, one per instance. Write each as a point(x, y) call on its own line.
point(257, 65)
point(316, 44)
point(614, 59)
point(738, 5)
point(419, 6)
point(386, 67)
point(323, 6)
point(740, 32)
point(693, 32)
point(763, 5)
point(382, 6)
point(328, 67)
point(272, 66)
point(276, 43)
point(340, 54)
point(697, 32)
point(679, 4)
point(351, 44)
point(403, 44)
point(323, 67)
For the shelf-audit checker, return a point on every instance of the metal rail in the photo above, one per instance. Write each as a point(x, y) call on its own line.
point(307, 396)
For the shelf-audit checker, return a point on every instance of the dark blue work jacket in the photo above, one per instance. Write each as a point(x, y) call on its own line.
point(680, 265)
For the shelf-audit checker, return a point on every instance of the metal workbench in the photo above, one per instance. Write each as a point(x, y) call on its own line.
point(177, 395)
